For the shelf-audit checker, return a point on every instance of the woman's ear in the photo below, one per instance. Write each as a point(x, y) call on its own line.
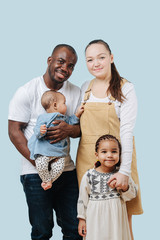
point(112, 58)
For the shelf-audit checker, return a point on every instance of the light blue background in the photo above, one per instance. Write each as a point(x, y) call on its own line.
point(29, 31)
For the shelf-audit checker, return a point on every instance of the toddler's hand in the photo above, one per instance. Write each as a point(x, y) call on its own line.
point(82, 227)
point(121, 181)
point(113, 183)
point(43, 129)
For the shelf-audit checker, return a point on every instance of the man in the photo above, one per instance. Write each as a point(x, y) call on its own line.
point(23, 112)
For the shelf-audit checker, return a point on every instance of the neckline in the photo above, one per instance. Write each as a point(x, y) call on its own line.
point(59, 90)
point(108, 97)
point(107, 173)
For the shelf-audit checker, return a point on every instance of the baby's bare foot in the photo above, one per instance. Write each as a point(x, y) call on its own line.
point(46, 185)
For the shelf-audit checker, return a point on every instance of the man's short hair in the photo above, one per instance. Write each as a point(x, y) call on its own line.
point(65, 46)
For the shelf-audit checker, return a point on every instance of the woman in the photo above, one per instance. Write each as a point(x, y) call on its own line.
point(110, 108)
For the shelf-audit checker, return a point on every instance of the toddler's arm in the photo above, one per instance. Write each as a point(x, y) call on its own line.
point(83, 198)
point(82, 227)
point(131, 192)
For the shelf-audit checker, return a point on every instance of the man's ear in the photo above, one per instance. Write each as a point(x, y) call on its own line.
point(49, 60)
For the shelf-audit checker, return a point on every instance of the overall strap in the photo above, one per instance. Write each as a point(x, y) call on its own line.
point(88, 91)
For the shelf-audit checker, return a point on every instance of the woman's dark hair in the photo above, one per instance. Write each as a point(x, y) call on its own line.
point(115, 83)
point(109, 138)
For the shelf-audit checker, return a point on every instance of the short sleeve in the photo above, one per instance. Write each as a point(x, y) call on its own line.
point(19, 107)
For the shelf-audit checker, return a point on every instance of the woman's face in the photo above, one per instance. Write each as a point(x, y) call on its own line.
point(99, 60)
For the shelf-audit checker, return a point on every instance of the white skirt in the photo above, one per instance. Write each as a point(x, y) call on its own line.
point(107, 220)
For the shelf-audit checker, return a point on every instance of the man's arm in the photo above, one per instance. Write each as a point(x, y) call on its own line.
point(61, 131)
point(16, 135)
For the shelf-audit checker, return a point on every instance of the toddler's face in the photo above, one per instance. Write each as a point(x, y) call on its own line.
point(108, 154)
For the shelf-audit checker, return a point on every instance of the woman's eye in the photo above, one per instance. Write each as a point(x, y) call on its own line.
point(89, 60)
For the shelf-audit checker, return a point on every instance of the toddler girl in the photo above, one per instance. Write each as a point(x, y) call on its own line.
point(102, 210)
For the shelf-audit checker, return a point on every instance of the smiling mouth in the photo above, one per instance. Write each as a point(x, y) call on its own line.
point(97, 69)
point(110, 160)
point(62, 74)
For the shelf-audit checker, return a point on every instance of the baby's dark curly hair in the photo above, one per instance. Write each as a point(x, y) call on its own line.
point(109, 138)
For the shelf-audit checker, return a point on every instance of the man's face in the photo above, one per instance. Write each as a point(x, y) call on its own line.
point(61, 65)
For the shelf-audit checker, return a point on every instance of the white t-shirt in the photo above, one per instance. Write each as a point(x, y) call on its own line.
point(25, 106)
point(126, 112)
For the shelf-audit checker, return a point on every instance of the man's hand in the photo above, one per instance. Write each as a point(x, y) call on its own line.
point(82, 227)
point(61, 131)
point(121, 182)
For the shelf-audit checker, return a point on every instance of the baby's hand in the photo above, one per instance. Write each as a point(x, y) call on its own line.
point(82, 227)
point(80, 110)
point(43, 129)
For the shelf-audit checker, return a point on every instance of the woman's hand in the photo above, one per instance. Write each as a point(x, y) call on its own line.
point(82, 227)
point(121, 182)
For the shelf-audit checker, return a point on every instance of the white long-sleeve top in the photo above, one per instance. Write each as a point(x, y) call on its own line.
point(126, 112)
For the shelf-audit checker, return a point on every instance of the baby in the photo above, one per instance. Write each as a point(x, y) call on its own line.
point(50, 158)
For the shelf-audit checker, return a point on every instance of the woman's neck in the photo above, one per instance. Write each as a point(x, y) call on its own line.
point(100, 87)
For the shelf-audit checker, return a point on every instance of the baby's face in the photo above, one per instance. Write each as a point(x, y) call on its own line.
point(61, 104)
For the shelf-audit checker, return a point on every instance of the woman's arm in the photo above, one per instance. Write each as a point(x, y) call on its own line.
point(128, 113)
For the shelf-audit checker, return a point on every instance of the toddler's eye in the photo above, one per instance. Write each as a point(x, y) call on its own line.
point(104, 151)
point(114, 151)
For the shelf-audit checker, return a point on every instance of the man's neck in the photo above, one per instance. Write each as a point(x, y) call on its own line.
point(51, 84)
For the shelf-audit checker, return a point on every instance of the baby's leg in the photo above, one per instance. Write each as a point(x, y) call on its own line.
point(42, 168)
point(57, 168)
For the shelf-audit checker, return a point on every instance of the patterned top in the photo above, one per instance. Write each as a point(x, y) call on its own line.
point(99, 187)
point(94, 187)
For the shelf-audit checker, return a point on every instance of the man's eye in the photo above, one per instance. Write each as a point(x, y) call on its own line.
point(71, 67)
point(114, 151)
point(89, 60)
point(60, 61)
point(102, 58)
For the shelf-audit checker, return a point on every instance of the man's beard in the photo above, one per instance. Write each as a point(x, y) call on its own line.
point(53, 79)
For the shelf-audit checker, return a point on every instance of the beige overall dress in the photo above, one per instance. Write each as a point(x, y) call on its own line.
point(98, 119)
